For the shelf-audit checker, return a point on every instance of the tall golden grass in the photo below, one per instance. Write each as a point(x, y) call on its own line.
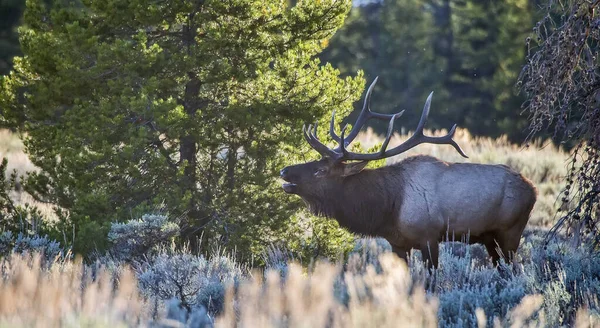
point(12, 148)
point(65, 295)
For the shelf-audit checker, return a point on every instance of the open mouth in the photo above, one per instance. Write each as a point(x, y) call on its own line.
point(289, 187)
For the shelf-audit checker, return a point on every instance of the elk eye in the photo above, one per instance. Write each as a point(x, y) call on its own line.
point(320, 172)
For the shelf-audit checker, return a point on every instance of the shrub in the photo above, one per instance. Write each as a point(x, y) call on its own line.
point(135, 238)
point(471, 292)
point(23, 244)
point(556, 286)
point(196, 318)
point(191, 279)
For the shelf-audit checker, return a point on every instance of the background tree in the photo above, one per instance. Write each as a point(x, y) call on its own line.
point(10, 16)
point(190, 105)
point(469, 52)
point(561, 80)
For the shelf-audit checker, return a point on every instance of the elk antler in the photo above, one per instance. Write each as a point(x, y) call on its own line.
point(342, 154)
point(365, 115)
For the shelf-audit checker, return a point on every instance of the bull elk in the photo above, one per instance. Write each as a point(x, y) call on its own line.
point(417, 202)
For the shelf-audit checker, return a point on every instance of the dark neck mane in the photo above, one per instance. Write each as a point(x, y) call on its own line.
point(364, 203)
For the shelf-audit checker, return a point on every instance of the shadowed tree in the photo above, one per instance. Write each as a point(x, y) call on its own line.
point(10, 15)
point(469, 52)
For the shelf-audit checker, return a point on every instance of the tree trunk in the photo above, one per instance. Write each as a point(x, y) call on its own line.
point(187, 153)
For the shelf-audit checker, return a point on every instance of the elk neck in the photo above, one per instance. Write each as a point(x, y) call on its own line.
point(365, 203)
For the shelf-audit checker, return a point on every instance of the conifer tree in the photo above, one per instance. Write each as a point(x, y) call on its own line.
point(193, 105)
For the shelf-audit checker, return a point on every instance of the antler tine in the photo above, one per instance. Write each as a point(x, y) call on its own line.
point(451, 141)
point(388, 135)
point(364, 113)
point(341, 153)
point(313, 142)
point(342, 141)
point(332, 128)
point(424, 115)
point(417, 138)
point(310, 134)
point(373, 156)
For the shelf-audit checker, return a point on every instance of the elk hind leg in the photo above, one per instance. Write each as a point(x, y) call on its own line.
point(510, 241)
point(503, 245)
point(494, 249)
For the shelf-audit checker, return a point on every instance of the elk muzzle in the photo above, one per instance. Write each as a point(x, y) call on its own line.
point(288, 186)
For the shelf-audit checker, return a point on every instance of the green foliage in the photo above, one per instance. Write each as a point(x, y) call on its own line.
point(469, 52)
point(128, 105)
point(310, 238)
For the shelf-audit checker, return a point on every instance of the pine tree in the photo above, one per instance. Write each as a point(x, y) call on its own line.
point(191, 105)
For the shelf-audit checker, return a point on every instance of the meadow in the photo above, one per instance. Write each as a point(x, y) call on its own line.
point(551, 284)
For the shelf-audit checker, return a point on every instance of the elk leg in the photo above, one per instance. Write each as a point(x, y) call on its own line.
point(504, 244)
point(401, 252)
point(430, 253)
point(492, 248)
point(509, 243)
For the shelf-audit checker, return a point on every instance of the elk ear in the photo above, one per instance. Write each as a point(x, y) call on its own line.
point(353, 168)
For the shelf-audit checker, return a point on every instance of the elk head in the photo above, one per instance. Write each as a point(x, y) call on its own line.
point(314, 178)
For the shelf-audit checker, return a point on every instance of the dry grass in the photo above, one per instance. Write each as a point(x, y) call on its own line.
point(65, 295)
point(375, 299)
point(12, 148)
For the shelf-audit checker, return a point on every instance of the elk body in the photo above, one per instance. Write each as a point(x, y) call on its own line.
point(418, 202)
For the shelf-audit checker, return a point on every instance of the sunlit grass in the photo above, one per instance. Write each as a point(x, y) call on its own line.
point(375, 299)
point(12, 148)
point(66, 294)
